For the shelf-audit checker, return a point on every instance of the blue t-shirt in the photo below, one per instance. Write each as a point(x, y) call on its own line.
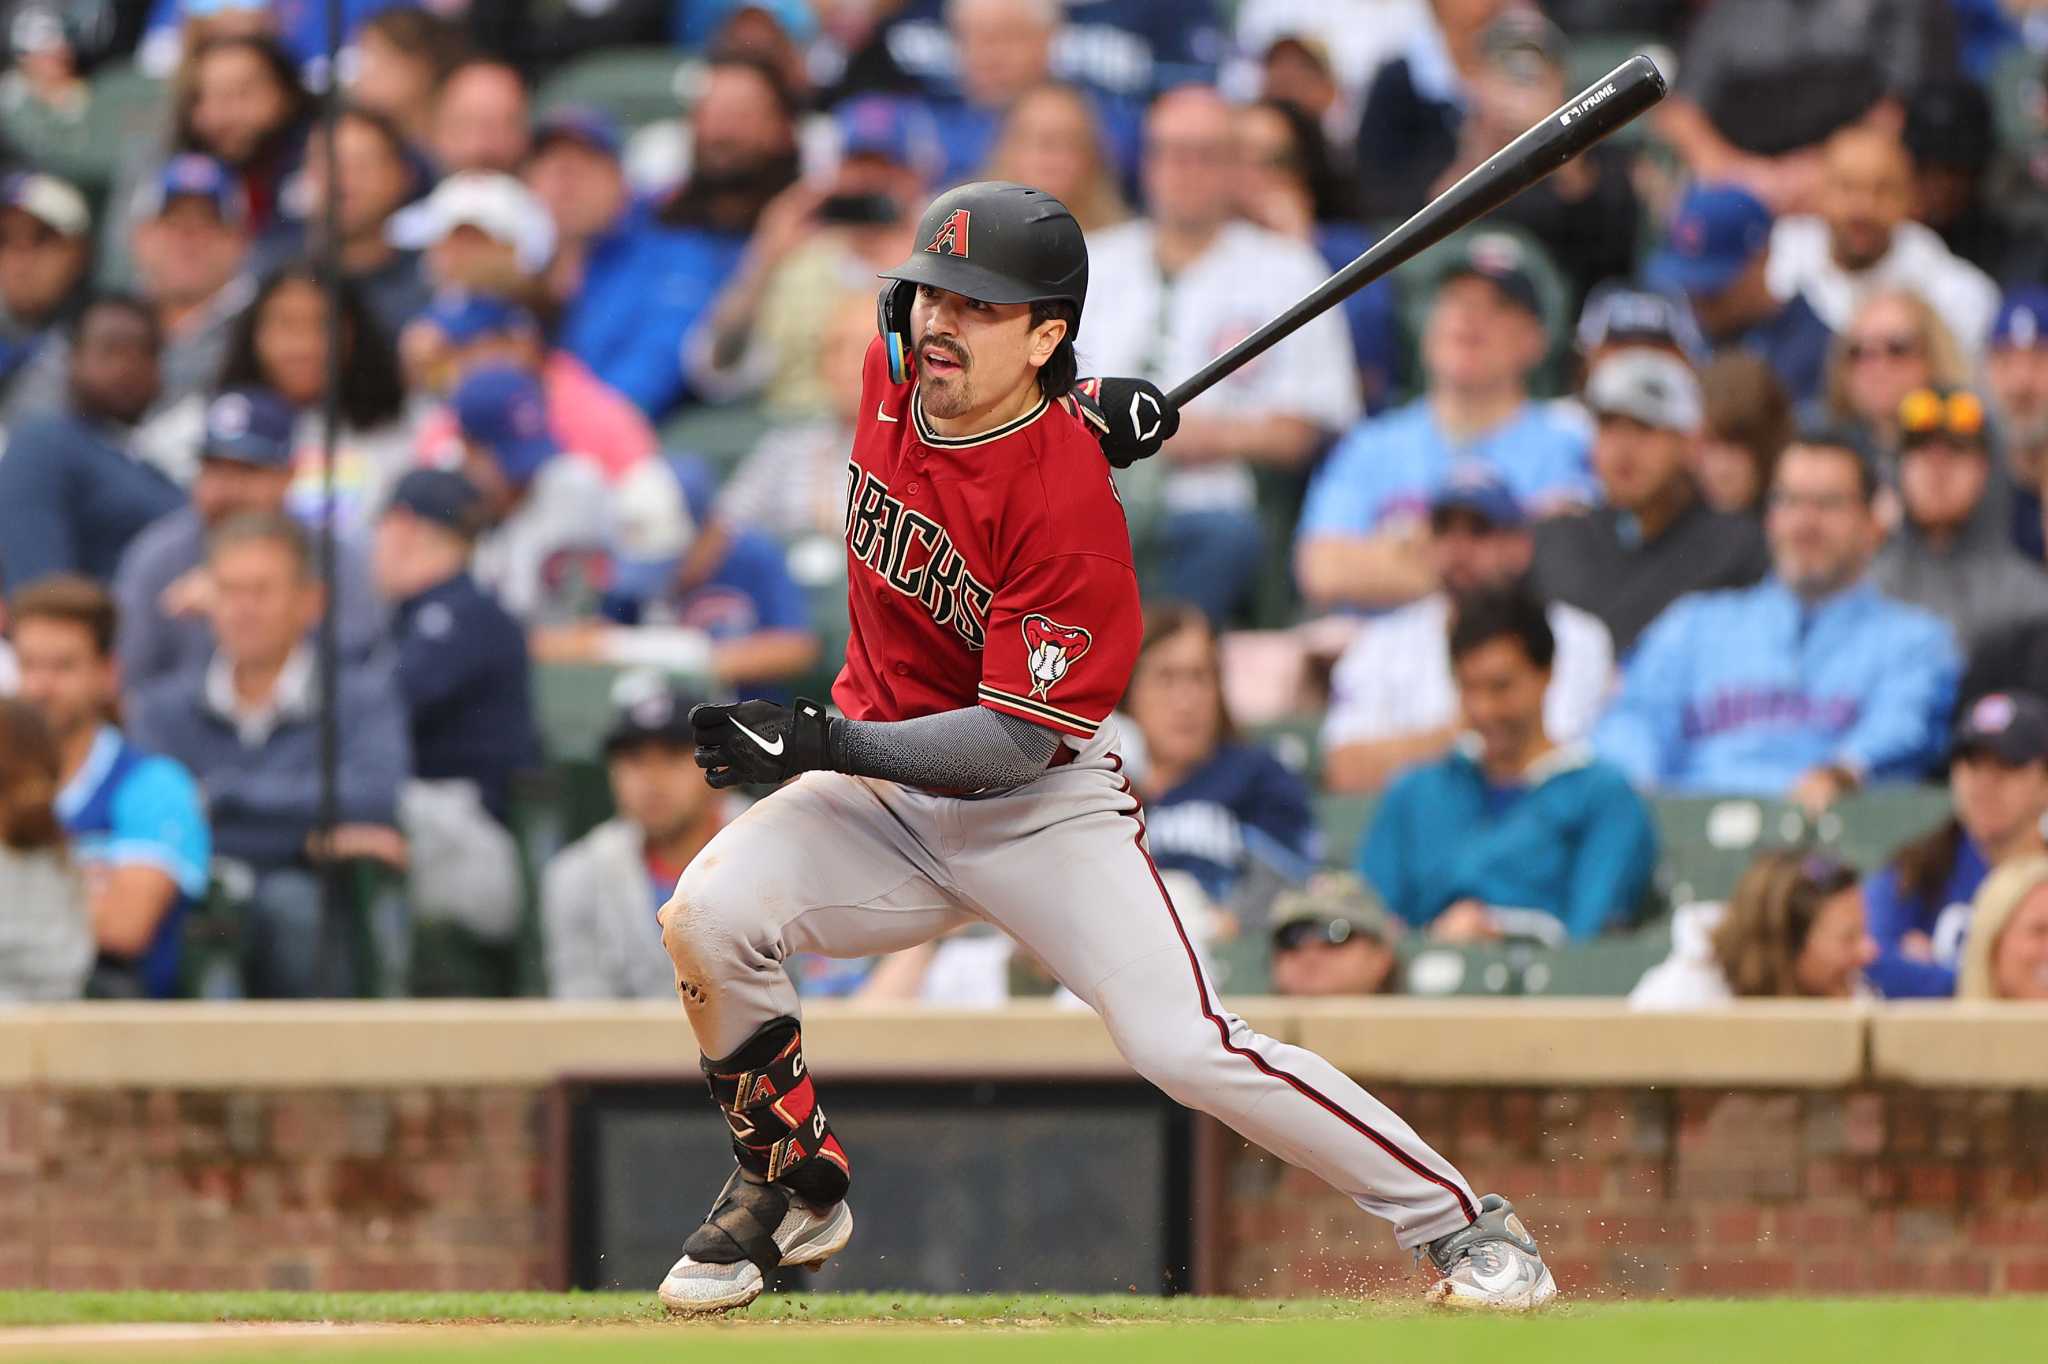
point(1945, 919)
point(1391, 467)
point(125, 807)
point(1240, 808)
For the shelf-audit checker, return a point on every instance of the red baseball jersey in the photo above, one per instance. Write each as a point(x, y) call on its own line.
point(991, 569)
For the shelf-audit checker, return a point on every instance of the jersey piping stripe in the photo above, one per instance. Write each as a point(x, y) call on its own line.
point(1301, 1086)
point(1009, 428)
point(1038, 707)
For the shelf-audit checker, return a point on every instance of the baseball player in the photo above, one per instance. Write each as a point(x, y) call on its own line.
point(975, 776)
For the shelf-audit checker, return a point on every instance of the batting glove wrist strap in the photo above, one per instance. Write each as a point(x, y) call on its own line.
point(758, 743)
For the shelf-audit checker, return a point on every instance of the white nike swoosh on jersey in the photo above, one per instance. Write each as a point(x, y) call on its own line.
point(773, 750)
point(882, 416)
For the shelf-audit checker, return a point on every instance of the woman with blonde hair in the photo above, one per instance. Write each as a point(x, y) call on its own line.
point(1895, 343)
point(46, 941)
point(1052, 140)
point(1793, 928)
point(2006, 955)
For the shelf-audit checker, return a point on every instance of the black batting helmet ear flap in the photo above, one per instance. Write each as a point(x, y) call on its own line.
point(892, 316)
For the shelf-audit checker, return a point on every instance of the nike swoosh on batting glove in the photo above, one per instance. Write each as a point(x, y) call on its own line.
point(758, 743)
point(1130, 417)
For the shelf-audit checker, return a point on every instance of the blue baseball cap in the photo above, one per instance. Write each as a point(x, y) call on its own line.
point(891, 127)
point(250, 426)
point(1716, 233)
point(583, 123)
point(464, 316)
point(1475, 487)
point(191, 175)
point(2022, 322)
point(503, 410)
point(443, 497)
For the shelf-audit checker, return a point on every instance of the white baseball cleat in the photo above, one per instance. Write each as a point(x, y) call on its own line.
point(1492, 1264)
point(753, 1228)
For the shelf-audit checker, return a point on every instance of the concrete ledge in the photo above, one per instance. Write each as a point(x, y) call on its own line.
point(1941, 1045)
point(529, 1042)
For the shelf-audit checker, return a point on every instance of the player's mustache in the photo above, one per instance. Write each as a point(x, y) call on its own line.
point(955, 351)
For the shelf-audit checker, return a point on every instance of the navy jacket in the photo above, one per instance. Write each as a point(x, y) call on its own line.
point(462, 666)
point(71, 498)
point(1239, 808)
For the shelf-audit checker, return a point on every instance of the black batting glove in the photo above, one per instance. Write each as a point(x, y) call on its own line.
point(758, 743)
point(1131, 417)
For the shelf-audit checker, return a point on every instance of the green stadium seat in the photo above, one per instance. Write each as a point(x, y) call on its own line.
point(1868, 827)
point(1293, 740)
point(634, 85)
point(720, 434)
point(1343, 820)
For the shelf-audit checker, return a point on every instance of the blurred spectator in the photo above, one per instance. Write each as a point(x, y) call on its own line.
point(1755, 112)
point(1333, 939)
point(1920, 902)
point(479, 230)
point(280, 345)
point(1051, 140)
point(45, 936)
point(1806, 686)
point(464, 676)
point(1794, 928)
point(1509, 835)
point(1217, 808)
point(190, 246)
point(73, 492)
point(1747, 422)
point(1654, 538)
point(165, 595)
point(470, 331)
point(1619, 317)
point(629, 290)
point(1861, 240)
point(481, 119)
point(792, 484)
point(246, 724)
point(378, 174)
point(1584, 213)
point(1169, 293)
point(1288, 182)
point(1894, 343)
point(1362, 539)
point(543, 36)
point(1002, 49)
point(238, 100)
point(2016, 375)
point(1717, 256)
point(1322, 54)
point(403, 56)
point(2007, 955)
point(548, 552)
point(1950, 137)
point(743, 151)
point(1951, 552)
point(600, 895)
point(45, 250)
point(1416, 103)
point(133, 818)
point(815, 242)
point(1392, 698)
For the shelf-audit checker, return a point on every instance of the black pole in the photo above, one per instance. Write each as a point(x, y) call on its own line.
point(332, 906)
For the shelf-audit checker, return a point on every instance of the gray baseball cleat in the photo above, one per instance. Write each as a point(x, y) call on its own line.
point(1493, 1263)
point(753, 1228)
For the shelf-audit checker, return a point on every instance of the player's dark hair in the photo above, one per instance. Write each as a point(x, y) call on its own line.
point(1057, 375)
point(1505, 613)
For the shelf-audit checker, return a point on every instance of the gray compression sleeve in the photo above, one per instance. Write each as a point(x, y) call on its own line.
point(970, 749)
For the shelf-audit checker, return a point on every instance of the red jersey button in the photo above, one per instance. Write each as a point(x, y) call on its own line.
point(911, 487)
point(902, 669)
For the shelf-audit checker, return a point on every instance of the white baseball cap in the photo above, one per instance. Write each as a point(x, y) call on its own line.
point(1653, 386)
point(50, 201)
point(496, 205)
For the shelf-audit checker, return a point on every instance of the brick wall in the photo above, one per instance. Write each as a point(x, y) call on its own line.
point(1639, 1192)
point(1633, 1191)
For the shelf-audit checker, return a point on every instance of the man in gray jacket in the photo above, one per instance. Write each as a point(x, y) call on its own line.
point(1952, 552)
point(246, 724)
point(599, 895)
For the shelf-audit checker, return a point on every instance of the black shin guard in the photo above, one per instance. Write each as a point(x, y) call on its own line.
point(779, 1133)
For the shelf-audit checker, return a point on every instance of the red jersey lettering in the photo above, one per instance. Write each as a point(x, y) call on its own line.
point(992, 569)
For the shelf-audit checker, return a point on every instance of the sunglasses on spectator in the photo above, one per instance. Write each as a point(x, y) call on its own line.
point(1328, 932)
point(1883, 347)
point(1923, 412)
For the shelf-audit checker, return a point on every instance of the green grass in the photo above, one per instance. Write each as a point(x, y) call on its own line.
point(909, 1329)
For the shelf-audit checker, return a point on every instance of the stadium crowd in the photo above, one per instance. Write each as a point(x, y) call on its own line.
point(1712, 466)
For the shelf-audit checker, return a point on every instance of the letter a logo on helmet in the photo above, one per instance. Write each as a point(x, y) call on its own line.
point(951, 238)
